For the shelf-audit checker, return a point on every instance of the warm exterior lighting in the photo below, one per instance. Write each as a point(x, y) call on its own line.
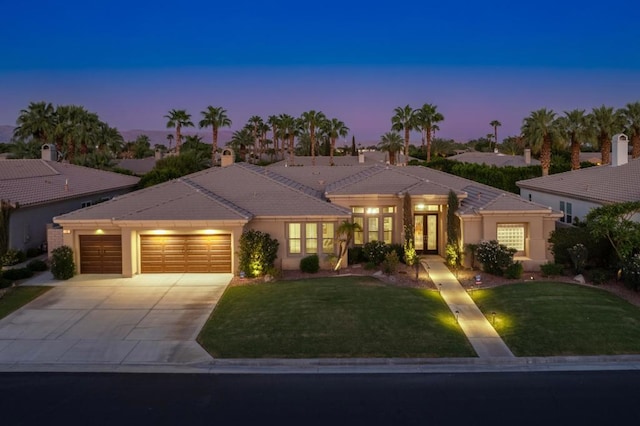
point(99, 232)
point(493, 317)
point(66, 231)
point(159, 232)
point(208, 231)
point(457, 316)
point(420, 207)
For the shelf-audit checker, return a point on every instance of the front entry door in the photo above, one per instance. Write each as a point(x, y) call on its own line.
point(426, 233)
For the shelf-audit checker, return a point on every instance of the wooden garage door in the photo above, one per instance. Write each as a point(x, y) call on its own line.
point(185, 253)
point(100, 254)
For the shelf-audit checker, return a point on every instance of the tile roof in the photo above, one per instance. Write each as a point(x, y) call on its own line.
point(601, 184)
point(493, 159)
point(370, 158)
point(482, 198)
point(32, 182)
point(139, 166)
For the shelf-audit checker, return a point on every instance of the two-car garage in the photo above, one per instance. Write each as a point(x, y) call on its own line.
point(102, 254)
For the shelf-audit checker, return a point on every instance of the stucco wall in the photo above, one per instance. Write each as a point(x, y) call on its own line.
point(579, 208)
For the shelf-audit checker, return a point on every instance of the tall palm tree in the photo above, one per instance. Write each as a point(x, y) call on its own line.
point(631, 114)
point(605, 122)
point(538, 129)
point(392, 143)
point(311, 120)
point(425, 119)
point(170, 139)
point(214, 117)
point(495, 124)
point(240, 140)
point(289, 128)
point(404, 120)
point(346, 230)
point(574, 128)
point(38, 121)
point(334, 128)
point(178, 118)
point(274, 122)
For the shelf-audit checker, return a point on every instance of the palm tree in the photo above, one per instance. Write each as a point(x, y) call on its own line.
point(404, 119)
point(574, 128)
point(334, 128)
point(538, 129)
point(38, 121)
point(631, 114)
point(178, 118)
point(170, 139)
point(392, 143)
point(425, 119)
point(495, 124)
point(605, 122)
point(240, 140)
point(290, 128)
point(346, 229)
point(311, 120)
point(274, 122)
point(215, 117)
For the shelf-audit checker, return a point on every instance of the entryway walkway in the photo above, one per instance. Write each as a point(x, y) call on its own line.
point(481, 334)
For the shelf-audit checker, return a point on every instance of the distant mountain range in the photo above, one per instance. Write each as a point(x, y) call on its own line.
point(155, 136)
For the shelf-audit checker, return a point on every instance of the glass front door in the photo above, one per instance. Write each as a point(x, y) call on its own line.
point(426, 233)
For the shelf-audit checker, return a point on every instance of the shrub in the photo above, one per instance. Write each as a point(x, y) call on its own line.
point(4, 283)
point(62, 265)
point(514, 271)
point(551, 269)
point(33, 252)
point(37, 265)
point(579, 255)
point(356, 255)
point(370, 266)
point(562, 239)
point(390, 263)
point(13, 257)
point(631, 273)
point(410, 254)
point(399, 249)
point(310, 264)
point(258, 252)
point(17, 274)
point(453, 256)
point(598, 276)
point(494, 257)
point(375, 251)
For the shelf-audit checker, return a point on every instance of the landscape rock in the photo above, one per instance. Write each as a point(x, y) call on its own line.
point(579, 279)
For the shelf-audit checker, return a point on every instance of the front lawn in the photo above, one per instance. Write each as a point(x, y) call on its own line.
point(18, 297)
point(332, 317)
point(548, 319)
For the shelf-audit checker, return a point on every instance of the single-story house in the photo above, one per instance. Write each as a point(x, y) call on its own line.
point(576, 192)
point(496, 159)
point(39, 189)
point(194, 223)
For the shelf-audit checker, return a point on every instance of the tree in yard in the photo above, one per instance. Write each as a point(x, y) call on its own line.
point(345, 233)
point(170, 139)
point(178, 119)
point(574, 128)
point(404, 119)
point(311, 120)
point(240, 140)
point(539, 130)
point(426, 119)
point(334, 128)
point(274, 122)
point(495, 124)
point(605, 122)
point(453, 249)
point(289, 127)
point(392, 143)
point(631, 115)
point(38, 121)
point(214, 117)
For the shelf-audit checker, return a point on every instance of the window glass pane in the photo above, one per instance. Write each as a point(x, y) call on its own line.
point(357, 209)
point(311, 245)
point(294, 238)
point(388, 229)
point(327, 238)
point(372, 229)
point(373, 210)
point(418, 232)
point(358, 235)
point(511, 235)
point(312, 230)
point(388, 210)
point(294, 246)
point(294, 230)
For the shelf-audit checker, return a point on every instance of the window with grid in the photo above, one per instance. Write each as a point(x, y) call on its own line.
point(295, 238)
point(512, 235)
point(305, 238)
point(376, 223)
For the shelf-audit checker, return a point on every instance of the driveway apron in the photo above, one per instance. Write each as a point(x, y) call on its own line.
point(106, 319)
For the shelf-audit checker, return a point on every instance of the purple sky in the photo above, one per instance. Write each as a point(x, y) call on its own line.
point(499, 61)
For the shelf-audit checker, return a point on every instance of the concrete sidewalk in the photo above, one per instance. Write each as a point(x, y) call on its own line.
point(481, 334)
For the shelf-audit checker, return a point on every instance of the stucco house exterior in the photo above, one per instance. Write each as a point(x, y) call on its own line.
point(40, 189)
point(194, 223)
point(576, 192)
point(496, 159)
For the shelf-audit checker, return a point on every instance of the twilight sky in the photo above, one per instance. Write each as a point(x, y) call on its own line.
point(131, 62)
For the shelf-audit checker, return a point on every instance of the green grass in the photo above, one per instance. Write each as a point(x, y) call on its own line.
point(332, 317)
point(553, 319)
point(18, 297)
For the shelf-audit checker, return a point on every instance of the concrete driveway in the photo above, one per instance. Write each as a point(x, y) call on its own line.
point(109, 320)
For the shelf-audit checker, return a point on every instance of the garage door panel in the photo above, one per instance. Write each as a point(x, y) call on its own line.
point(100, 254)
point(185, 253)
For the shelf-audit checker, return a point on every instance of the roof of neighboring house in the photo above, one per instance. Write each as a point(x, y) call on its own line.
point(238, 192)
point(493, 159)
point(33, 182)
point(138, 166)
point(602, 184)
point(369, 158)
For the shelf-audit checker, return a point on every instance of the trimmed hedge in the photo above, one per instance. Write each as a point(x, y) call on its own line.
point(310, 264)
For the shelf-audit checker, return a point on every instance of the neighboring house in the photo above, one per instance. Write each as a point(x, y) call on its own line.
point(363, 157)
point(41, 189)
point(496, 159)
point(137, 166)
point(194, 223)
point(576, 192)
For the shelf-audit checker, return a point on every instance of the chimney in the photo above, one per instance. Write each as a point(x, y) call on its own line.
point(527, 156)
point(360, 157)
point(159, 155)
point(619, 150)
point(228, 157)
point(48, 152)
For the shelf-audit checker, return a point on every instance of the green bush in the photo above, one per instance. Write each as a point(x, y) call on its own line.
point(390, 263)
point(562, 240)
point(310, 264)
point(399, 249)
point(17, 274)
point(579, 255)
point(514, 271)
point(13, 257)
point(598, 276)
point(495, 257)
point(258, 252)
point(356, 255)
point(37, 265)
point(4, 283)
point(631, 273)
point(33, 252)
point(410, 255)
point(369, 266)
point(551, 269)
point(375, 251)
point(62, 265)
